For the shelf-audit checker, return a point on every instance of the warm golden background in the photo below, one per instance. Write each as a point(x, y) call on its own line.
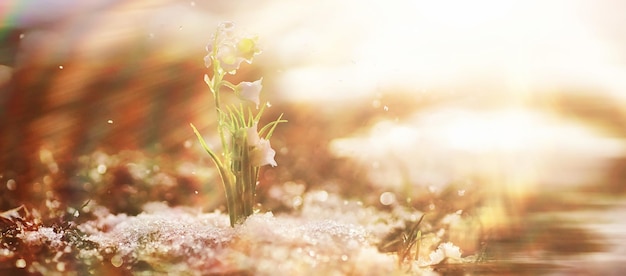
point(523, 101)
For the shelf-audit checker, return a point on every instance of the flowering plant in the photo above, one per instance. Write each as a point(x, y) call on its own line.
point(245, 148)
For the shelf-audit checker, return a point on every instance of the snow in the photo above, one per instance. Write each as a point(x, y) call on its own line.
point(160, 232)
point(36, 238)
point(340, 240)
point(265, 244)
point(329, 235)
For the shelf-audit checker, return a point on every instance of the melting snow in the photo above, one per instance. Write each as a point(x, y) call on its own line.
point(335, 241)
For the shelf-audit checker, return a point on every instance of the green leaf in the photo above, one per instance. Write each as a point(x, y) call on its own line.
point(206, 147)
point(271, 127)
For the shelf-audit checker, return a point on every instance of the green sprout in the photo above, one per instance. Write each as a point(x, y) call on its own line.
point(244, 148)
point(403, 241)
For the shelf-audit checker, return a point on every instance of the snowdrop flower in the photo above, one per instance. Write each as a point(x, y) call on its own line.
point(262, 154)
point(249, 91)
point(252, 135)
point(230, 49)
point(228, 59)
point(247, 49)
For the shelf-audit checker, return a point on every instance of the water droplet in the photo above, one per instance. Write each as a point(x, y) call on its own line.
point(22, 36)
point(387, 198)
point(195, 192)
point(187, 144)
point(61, 67)
point(110, 121)
point(344, 258)
point(296, 201)
point(117, 261)
point(385, 108)
point(102, 169)
point(461, 192)
point(11, 185)
point(20, 263)
point(268, 104)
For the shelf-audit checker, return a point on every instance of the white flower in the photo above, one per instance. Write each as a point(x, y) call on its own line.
point(228, 59)
point(263, 154)
point(226, 28)
point(249, 91)
point(252, 135)
point(247, 49)
point(230, 49)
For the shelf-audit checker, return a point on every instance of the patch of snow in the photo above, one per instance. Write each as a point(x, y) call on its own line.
point(446, 251)
point(338, 241)
point(41, 236)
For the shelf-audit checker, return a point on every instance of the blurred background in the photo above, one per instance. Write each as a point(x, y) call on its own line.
point(514, 111)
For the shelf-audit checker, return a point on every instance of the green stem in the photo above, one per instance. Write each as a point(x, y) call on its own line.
point(229, 85)
point(246, 178)
point(215, 88)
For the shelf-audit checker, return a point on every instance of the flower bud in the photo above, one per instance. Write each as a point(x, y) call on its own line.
point(207, 61)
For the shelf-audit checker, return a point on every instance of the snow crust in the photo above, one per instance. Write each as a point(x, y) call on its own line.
point(186, 240)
